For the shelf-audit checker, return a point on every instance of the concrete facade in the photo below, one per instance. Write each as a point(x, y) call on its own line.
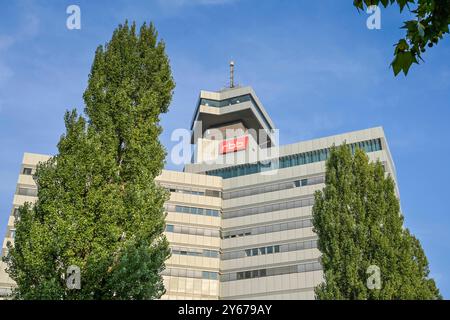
point(239, 230)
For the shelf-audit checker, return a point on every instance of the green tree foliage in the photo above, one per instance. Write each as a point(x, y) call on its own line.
point(98, 206)
point(430, 24)
point(359, 224)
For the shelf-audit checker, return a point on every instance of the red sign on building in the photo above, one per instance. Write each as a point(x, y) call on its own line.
point(233, 145)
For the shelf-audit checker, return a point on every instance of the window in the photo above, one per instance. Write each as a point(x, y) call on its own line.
point(192, 231)
point(27, 171)
point(211, 253)
point(212, 193)
point(215, 233)
point(296, 224)
point(29, 192)
point(197, 192)
point(183, 272)
point(193, 210)
point(268, 208)
point(270, 249)
point(185, 229)
point(277, 228)
point(213, 276)
point(309, 267)
point(304, 267)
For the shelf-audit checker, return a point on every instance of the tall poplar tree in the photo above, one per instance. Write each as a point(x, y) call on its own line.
point(98, 205)
point(359, 224)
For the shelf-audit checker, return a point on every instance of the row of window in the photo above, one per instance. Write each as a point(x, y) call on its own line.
point(29, 192)
point(269, 208)
point(295, 246)
point(194, 191)
point(187, 273)
point(260, 273)
point(193, 231)
point(291, 160)
point(232, 101)
point(298, 224)
point(195, 252)
point(192, 210)
point(274, 187)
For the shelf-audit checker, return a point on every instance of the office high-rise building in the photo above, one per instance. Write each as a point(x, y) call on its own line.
point(239, 216)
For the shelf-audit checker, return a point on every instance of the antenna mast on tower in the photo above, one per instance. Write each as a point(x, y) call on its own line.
point(231, 74)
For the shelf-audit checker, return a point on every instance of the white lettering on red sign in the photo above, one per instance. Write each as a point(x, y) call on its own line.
point(233, 145)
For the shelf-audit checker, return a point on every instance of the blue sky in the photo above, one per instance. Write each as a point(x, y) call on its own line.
point(316, 67)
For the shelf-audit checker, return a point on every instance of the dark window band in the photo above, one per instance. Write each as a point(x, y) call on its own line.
point(260, 273)
point(193, 231)
point(286, 247)
point(290, 161)
point(187, 273)
point(306, 202)
point(274, 187)
point(297, 224)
